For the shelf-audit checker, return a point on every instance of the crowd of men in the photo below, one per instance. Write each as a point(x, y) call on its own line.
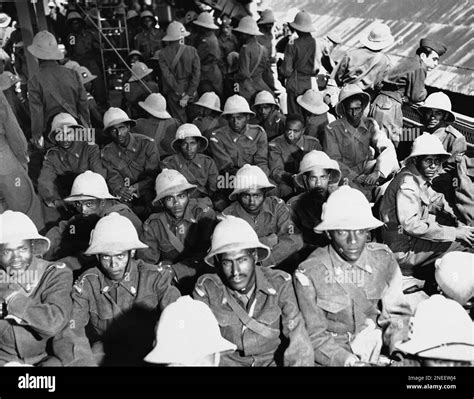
point(296, 225)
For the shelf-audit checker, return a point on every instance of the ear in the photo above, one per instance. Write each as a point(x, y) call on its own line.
point(255, 255)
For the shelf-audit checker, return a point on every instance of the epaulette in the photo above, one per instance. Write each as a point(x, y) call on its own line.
point(58, 265)
point(160, 268)
point(376, 246)
point(277, 200)
point(79, 283)
point(301, 277)
point(142, 136)
point(213, 278)
point(281, 274)
point(258, 127)
point(52, 149)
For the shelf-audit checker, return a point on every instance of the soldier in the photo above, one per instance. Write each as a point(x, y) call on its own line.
point(113, 288)
point(405, 84)
point(131, 161)
point(181, 71)
point(420, 226)
point(149, 39)
point(178, 235)
point(18, 103)
point(367, 66)
point(315, 112)
point(319, 175)
point(285, 154)
point(265, 25)
point(300, 62)
point(91, 200)
point(255, 306)
point(239, 143)
point(269, 115)
point(46, 97)
point(159, 125)
point(253, 60)
point(209, 54)
point(227, 40)
point(325, 46)
point(350, 291)
point(188, 334)
point(209, 110)
point(133, 26)
point(350, 140)
point(198, 169)
point(35, 294)
point(268, 215)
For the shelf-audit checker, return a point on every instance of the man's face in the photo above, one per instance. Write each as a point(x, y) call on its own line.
point(430, 61)
point(176, 204)
point(238, 122)
point(252, 200)
point(317, 181)
point(16, 255)
point(134, 58)
point(293, 131)
point(264, 110)
point(65, 144)
point(120, 134)
point(114, 266)
point(76, 25)
point(433, 117)
point(226, 29)
point(148, 22)
point(88, 207)
point(189, 147)
point(238, 269)
point(354, 111)
point(349, 244)
point(428, 165)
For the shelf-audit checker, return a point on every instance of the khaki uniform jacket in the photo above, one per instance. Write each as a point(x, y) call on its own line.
point(148, 42)
point(163, 131)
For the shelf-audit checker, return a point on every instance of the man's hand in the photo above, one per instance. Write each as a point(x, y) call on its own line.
point(183, 102)
point(270, 240)
point(465, 234)
point(126, 194)
point(372, 179)
point(368, 343)
point(360, 179)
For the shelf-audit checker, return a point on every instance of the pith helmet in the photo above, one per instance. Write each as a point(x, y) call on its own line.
point(313, 102)
point(114, 234)
point(349, 91)
point(234, 234)
point(155, 104)
point(7, 80)
point(175, 31)
point(45, 47)
point(189, 130)
point(131, 14)
point(248, 26)
point(5, 20)
point(266, 17)
point(378, 38)
point(440, 329)
point(237, 105)
point(169, 182)
point(302, 22)
point(347, 209)
point(427, 144)
point(17, 226)
point(74, 15)
point(86, 75)
point(139, 71)
point(455, 275)
point(88, 186)
point(114, 116)
point(210, 100)
point(60, 122)
point(264, 97)
point(249, 177)
point(318, 160)
point(440, 101)
point(205, 20)
point(147, 14)
point(187, 331)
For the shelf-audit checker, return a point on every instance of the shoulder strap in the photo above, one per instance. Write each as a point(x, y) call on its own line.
point(259, 58)
point(173, 239)
point(176, 58)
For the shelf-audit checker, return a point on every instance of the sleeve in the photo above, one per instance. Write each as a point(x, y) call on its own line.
point(36, 108)
point(275, 162)
point(286, 68)
point(114, 178)
point(152, 165)
point(152, 254)
point(244, 65)
point(212, 175)
point(167, 293)
point(331, 148)
point(219, 153)
point(261, 156)
point(46, 187)
point(195, 75)
point(167, 75)
point(387, 162)
point(95, 161)
point(55, 236)
point(415, 88)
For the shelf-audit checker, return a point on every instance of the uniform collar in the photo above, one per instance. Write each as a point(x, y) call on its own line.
point(266, 208)
point(194, 161)
point(339, 263)
point(132, 145)
point(188, 215)
point(419, 179)
point(351, 128)
point(73, 150)
point(251, 134)
point(129, 280)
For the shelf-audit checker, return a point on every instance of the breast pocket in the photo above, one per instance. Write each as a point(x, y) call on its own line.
point(334, 306)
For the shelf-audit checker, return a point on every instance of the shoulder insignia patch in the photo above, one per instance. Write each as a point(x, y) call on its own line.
point(302, 278)
point(60, 265)
point(214, 139)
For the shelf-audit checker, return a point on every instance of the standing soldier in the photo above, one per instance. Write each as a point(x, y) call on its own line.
point(133, 26)
point(300, 62)
point(255, 306)
point(265, 24)
point(149, 40)
point(227, 40)
point(269, 115)
point(209, 54)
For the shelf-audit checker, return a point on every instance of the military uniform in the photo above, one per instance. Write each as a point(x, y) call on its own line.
point(163, 131)
point(266, 40)
point(201, 171)
point(182, 79)
point(272, 220)
point(99, 301)
point(210, 56)
point(207, 124)
point(232, 150)
point(274, 125)
point(61, 167)
point(148, 42)
point(273, 306)
point(325, 286)
point(39, 311)
point(227, 43)
point(133, 92)
point(316, 125)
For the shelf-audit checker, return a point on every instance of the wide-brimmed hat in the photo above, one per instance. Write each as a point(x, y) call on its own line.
point(440, 101)
point(318, 160)
point(210, 100)
point(378, 38)
point(189, 130)
point(114, 116)
point(86, 75)
point(264, 97)
point(169, 182)
point(147, 14)
point(175, 31)
point(45, 47)
point(155, 104)
point(248, 26)
point(88, 186)
point(134, 52)
point(237, 105)
point(139, 71)
point(60, 122)
point(302, 22)
point(132, 14)
point(347, 209)
point(5, 20)
point(313, 101)
point(249, 177)
point(266, 17)
point(348, 91)
point(427, 144)
point(235, 234)
point(205, 20)
point(74, 15)
point(8, 79)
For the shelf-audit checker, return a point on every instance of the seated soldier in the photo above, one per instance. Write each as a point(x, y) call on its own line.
point(285, 154)
point(319, 175)
point(91, 200)
point(239, 143)
point(255, 306)
point(131, 161)
point(316, 114)
point(179, 234)
point(268, 215)
point(353, 139)
point(108, 291)
point(268, 115)
point(208, 108)
point(350, 291)
point(420, 226)
point(35, 294)
point(159, 125)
